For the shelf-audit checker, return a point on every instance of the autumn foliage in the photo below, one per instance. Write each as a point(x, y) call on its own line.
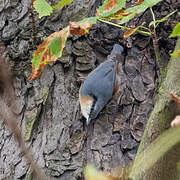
point(52, 47)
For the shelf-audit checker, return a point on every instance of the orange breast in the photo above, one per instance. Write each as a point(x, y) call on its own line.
point(117, 81)
point(86, 103)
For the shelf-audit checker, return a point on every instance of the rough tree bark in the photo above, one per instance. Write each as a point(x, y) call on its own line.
point(163, 113)
point(48, 107)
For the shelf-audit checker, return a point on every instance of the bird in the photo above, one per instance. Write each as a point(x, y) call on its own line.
point(100, 85)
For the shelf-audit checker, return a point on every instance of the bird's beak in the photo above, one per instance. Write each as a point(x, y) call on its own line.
point(88, 121)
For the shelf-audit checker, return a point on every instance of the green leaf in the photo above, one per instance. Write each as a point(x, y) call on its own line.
point(48, 51)
point(127, 18)
point(55, 46)
point(150, 3)
point(108, 9)
point(176, 53)
point(62, 3)
point(91, 173)
point(101, 8)
point(36, 60)
point(176, 31)
point(143, 6)
point(91, 20)
point(42, 7)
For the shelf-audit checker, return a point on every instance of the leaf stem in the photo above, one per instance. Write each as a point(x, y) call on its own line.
point(156, 48)
point(123, 27)
point(154, 19)
point(141, 26)
point(164, 18)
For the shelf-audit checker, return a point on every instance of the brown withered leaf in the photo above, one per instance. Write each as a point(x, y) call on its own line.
point(79, 28)
point(139, 2)
point(52, 47)
point(129, 32)
point(111, 5)
point(49, 51)
point(122, 13)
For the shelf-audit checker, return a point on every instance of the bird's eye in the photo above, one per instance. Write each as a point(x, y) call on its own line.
point(113, 57)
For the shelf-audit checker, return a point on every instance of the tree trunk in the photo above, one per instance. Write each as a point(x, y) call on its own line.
point(49, 113)
point(163, 113)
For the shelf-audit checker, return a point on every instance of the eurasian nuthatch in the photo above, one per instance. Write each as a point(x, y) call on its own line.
point(100, 85)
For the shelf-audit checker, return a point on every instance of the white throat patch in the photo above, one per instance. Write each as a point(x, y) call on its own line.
point(86, 108)
point(86, 103)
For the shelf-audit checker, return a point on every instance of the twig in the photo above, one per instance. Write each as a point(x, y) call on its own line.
point(154, 19)
point(157, 53)
point(156, 47)
point(123, 27)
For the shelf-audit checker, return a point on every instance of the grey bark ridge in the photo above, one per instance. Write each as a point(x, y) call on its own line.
point(48, 107)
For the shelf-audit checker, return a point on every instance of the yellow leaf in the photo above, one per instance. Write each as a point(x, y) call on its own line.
point(91, 173)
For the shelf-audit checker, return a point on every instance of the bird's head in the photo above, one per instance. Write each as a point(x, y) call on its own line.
point(117, 52)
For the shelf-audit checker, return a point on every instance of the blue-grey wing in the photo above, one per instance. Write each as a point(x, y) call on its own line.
point(100, 83)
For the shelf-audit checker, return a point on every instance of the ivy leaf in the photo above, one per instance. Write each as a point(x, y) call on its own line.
point(62, 3)
point(49, 51)
point(42, 7)
point(176, 31)
point(110, 7)
point(82, 27)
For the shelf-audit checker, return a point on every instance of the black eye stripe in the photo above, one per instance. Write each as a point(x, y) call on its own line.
point(113, 57)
